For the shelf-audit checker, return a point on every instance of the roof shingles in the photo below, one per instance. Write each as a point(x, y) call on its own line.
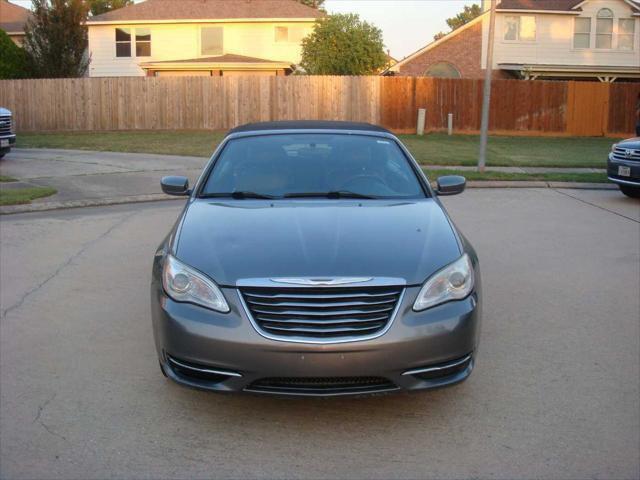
point(150, 10)
point(227, 58)
point(552, 5)
point(13, 17)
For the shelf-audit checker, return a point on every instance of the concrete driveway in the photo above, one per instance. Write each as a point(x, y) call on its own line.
point(555, 394)
point(79, 175)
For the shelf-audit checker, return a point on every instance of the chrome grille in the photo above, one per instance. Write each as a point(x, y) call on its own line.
point(620, 153)
point(322, 313)
point(5, 125)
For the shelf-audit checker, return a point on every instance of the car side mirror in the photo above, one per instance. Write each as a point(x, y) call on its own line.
point(451, 185)
point(178, 186)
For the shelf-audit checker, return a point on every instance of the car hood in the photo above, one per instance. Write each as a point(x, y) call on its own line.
point(246, 239)
point(632, 143)
point(4, 111)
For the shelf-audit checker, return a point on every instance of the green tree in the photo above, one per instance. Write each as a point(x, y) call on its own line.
point(343, 44)
point(313, 3)
point(464, 17)
point(56, 38)
point(13, 62)
point(96, 7)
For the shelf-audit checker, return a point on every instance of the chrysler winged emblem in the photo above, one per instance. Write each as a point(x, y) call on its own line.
point(322, 281)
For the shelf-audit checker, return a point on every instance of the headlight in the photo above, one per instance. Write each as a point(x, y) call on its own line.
point(184, 284)
point(613, 147)
point(453, 282)
point(13, 125)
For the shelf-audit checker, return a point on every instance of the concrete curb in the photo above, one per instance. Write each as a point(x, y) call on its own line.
point(93, 202)
point(156, 197)
point(539, 184)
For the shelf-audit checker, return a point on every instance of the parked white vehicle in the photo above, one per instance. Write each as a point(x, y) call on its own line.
point(7, 132)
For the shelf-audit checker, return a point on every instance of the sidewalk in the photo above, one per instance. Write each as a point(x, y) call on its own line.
point(517, 169)
point(85, 178)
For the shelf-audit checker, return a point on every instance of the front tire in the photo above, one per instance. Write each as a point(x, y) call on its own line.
point(629, 191)
point(162, 369)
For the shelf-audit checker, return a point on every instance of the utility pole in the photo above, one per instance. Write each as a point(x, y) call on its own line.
point(486, 100)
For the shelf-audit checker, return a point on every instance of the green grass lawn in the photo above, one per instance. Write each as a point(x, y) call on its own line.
point(440, 149)
point(193, 143)
point(505, 176)
point(4, 178)
point(433, 149)
point(24, 195)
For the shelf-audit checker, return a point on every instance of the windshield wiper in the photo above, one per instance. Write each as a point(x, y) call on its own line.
point(333, 194)
point(239, 195)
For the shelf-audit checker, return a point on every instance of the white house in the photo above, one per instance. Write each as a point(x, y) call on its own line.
point(199, 37)
point(560, 39)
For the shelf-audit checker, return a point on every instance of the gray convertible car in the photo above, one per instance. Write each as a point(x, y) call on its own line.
point(315, 259)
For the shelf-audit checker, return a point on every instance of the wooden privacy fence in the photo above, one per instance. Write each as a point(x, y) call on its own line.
point(219, 103)
point(517, 106)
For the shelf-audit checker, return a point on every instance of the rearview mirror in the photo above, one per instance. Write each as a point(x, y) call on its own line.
point(451, 185)
point(178, 186)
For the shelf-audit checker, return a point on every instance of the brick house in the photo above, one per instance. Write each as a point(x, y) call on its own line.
point(552, 39)
point(456, 55)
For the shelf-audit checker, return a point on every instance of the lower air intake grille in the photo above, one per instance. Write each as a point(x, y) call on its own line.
point(322, 313)
point(322, 386)
point(197, 372)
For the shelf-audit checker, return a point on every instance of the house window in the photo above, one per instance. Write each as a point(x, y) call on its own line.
point(582, 33)
point(626, 33)
point(211, 41)
point(289, 34)
point(604, 29)
point(143, 42)
point(123, 42)
point(442, 70)
point(282, 34)
point(520, 28)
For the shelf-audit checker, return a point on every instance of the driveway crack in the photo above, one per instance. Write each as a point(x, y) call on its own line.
point(77, 162)
point(594, 205)
point(65, 264)
point(38, 419)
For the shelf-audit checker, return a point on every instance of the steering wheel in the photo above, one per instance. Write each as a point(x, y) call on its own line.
point(365, 180)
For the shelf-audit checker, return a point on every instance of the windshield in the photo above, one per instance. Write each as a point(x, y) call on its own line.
point(309, 165)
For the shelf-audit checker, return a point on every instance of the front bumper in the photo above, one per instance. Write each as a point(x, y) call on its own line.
point(613, 173)
point(224, 352)
point(7, 142)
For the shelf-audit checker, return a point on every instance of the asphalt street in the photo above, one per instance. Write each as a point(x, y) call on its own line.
point(556, 391)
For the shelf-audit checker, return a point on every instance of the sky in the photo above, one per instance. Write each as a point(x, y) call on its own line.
point(407, 25)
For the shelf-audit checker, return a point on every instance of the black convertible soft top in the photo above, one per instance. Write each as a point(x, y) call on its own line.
point(308, 125)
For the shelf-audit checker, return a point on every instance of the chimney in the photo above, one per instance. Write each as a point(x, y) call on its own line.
point(486, 4)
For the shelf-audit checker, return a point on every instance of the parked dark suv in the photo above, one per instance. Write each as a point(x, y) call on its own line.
point(7, 132)
point(623, 166)
point(314, 258)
